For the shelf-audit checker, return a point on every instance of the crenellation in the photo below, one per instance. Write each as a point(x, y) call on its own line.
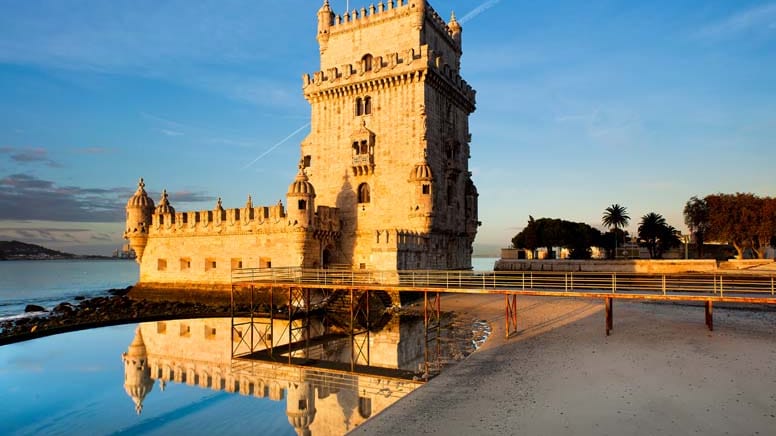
point(354, 73)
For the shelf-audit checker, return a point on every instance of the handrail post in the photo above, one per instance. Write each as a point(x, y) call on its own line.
point(772, 289)
point(571, 275)
point(664, 284)
point(614, 281)
point(720, 286)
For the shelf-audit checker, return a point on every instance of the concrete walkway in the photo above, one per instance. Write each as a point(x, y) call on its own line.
point(661, 372)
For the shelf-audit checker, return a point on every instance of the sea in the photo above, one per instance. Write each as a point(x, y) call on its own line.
point(50, 282)
point(47, 283)
point(171, 377)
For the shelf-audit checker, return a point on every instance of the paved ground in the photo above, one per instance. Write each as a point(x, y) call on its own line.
point(661, 372)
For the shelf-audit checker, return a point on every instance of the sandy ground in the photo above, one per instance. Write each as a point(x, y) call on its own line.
point(661, 372)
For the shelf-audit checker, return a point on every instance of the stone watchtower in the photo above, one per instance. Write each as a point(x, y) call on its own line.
point(389, 143)
point(140, 208)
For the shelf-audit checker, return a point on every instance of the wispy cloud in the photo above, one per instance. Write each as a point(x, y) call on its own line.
point(478, 10)
point(168, 132)
point(212, 45)
point(30, 155)
point(271, 149)
point(757, 18)
point(26, 197)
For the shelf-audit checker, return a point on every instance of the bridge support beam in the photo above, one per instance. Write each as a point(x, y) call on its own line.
point(432, 322)
point(609, 303)
point(710, 315)
point(510, 304)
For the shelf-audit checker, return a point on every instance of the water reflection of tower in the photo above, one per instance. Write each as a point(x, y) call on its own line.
point(137, 374)
point(300, 407)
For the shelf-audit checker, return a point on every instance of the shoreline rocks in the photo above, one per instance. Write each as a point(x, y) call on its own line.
point(116, 308)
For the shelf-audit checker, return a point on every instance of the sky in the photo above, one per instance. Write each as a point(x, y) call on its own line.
point(580, 105)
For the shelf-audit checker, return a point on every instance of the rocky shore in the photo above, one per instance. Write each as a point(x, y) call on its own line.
point(117, 308)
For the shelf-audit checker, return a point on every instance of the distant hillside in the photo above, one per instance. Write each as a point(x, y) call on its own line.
point(10, 250)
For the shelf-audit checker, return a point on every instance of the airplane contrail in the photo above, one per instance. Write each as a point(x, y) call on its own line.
point(271, 149)
point(478, 10)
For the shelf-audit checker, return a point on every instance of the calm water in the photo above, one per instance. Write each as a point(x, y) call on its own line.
point(179, 375)
point(47, 283)
point(151, 378)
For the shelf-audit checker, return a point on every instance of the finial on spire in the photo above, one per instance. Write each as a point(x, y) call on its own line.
point(141, 184)
point(249, 203)
point(218, 204)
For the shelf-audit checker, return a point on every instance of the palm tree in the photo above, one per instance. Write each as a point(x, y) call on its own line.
point(615, 217)
point(651, 228)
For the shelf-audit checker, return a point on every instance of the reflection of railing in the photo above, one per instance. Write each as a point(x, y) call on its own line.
point(702, 285)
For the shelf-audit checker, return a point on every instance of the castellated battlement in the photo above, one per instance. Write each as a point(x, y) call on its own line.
point(383, 71)
point(256, 220)
point(388, 10)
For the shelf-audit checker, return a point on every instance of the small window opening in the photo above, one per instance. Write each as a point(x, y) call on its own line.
point(426, 189)
point(367, 105)
point(302, 204)
point(185, 263)
point(302, 404)
point(367, 62)
point(161, 265)
point(363, 193)
point(359, 107)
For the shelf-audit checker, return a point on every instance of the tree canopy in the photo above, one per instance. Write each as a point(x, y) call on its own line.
point(553, 232)
point(696, 217)
point(742, 220)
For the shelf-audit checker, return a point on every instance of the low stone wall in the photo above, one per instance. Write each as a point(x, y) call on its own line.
point(735, 264)
point(623, 266)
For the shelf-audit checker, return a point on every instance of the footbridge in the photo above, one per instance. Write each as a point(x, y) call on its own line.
point(295, 284)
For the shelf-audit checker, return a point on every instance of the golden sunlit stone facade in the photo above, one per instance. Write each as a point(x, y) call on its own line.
point(386, 163)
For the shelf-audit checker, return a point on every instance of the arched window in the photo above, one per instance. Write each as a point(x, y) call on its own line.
point(366, 62)
point(359, 107)
point(367, 105)
point(363, 193)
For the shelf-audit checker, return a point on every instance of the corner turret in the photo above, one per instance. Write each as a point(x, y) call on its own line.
point(455, 29)
point(164, 205)
point(301, 199)
point(137, 373)
point(300, 407)
point(422, 181)
point(140, 208)
point(325, 21)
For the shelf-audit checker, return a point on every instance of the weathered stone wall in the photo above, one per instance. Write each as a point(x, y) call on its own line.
point(624, 266)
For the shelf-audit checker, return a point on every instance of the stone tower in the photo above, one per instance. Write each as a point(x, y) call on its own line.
point(389, 143)
point(140, 207)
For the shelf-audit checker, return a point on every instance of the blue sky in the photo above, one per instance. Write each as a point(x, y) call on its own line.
point(579, 105)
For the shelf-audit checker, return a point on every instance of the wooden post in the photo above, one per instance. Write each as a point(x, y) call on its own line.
point(609, 321)
point(710, 315)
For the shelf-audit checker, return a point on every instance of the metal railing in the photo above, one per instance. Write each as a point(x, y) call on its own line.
point(700, 284)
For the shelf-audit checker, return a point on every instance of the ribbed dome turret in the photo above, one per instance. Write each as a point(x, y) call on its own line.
point(137, 374)
point(453, 25)
point(164, 204)
point(421, 172)
point(141, 198)
point(301, 186)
